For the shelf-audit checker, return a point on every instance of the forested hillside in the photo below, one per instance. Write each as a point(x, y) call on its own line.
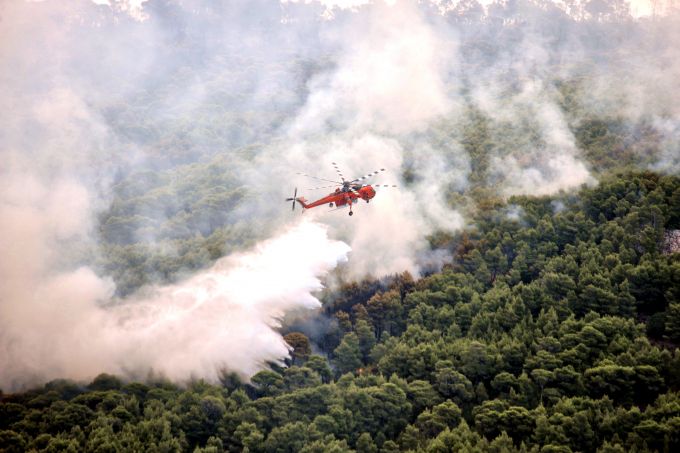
point(519, 291)
point(554, 328)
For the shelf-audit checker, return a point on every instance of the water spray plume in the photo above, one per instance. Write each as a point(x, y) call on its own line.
point(223, 318)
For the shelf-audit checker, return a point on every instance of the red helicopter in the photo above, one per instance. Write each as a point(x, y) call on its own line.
point(346, 192)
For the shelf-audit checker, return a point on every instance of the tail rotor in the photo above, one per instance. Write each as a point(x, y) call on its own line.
point(294, 199)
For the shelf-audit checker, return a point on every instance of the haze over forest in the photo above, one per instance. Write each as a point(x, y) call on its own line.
point(518, 290)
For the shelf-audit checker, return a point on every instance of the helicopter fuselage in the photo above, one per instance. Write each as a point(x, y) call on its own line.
point(341, 196)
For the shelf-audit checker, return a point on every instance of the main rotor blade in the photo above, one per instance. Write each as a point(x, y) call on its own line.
point(324, 187)
point(383, 185)
point(320, 179)
point(355, 192)
point(338, 170)
point(370, 175)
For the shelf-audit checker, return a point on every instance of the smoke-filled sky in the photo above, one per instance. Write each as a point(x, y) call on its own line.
point(95, 94)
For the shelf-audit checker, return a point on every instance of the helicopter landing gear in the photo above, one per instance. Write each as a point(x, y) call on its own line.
point(351, 213)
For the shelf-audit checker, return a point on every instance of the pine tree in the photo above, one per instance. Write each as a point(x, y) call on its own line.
point(348, 354)
point(673, 322)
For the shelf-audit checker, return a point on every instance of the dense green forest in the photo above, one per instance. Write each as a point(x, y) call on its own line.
point(552, 331)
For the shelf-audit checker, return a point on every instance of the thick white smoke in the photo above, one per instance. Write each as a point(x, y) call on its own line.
point(389, 84)
point(222, 318)
point(46, 314)
point(538, 154)
point(391, 80)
